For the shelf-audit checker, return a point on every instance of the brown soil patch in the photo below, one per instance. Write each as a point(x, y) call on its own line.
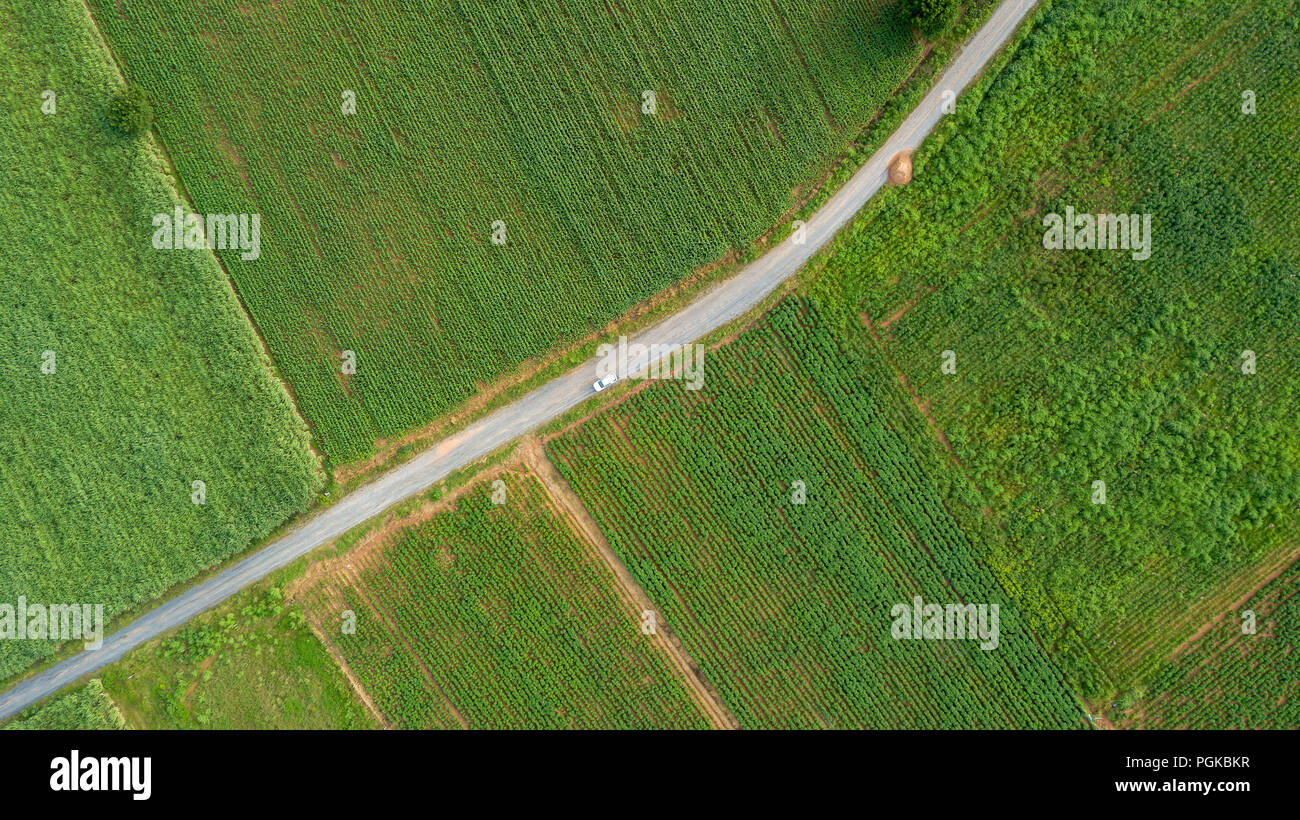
point(908, 305)
point(900, 168)
point(203, 667)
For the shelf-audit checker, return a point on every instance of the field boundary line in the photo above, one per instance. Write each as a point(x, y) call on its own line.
point(351, 676)
point(579, 519)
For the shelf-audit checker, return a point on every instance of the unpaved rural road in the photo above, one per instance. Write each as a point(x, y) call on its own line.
point(714, 308)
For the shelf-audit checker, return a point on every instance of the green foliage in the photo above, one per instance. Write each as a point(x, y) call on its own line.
point(500, 616)
point(930, 17)
point(251, 664)
point(154, 378)
point(86, 707)
point(474, 112)
point(787, 606)
point(1076, 366)
point(129, 112)
point(1230, 678)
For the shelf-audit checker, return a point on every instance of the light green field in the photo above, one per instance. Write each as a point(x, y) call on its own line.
point(86, 707)
point(153, 377)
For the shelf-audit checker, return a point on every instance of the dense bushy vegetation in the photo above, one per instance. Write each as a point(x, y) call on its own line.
point(783, 593)
point(1089, 365)
point(930, 17)
point(129, 112)
point(128, 373)
point(499, 616)
point(252, 663)
point(379, 225)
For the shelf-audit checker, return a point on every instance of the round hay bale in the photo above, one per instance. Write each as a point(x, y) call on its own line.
point(900, 169)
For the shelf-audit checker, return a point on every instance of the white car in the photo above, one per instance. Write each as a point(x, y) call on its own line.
point(604, 381)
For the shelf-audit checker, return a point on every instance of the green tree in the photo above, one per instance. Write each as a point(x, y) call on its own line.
point(129, 112)
point(930, 17)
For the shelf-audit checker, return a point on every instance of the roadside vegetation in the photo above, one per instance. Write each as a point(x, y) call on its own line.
point(85, 707)
point(252, 663)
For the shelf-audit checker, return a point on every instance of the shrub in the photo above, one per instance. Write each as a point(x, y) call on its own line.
point(129, 112)
point(931, 17)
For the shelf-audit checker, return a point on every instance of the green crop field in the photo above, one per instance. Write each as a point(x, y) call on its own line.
point(784, 594)
point(1172, 379)
point(128, 373)
point(1018, 448)
point(497, 616)
point(378, 226)
point(1242, 674)
point(86, 707)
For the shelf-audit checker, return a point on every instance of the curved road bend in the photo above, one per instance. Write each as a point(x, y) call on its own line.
point(714, 308)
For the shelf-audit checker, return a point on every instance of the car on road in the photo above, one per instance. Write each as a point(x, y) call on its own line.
point(603, 382)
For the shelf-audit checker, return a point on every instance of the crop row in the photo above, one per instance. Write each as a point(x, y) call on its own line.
point(785, 599)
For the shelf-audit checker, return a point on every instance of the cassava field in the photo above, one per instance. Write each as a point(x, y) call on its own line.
point(496, 615)
point(962, 401)
point(1244, 673)
point(776, 519)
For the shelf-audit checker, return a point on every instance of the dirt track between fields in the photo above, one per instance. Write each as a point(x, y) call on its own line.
point(703, 692)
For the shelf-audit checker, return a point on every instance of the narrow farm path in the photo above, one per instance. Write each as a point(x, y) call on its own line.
point(702, 692)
